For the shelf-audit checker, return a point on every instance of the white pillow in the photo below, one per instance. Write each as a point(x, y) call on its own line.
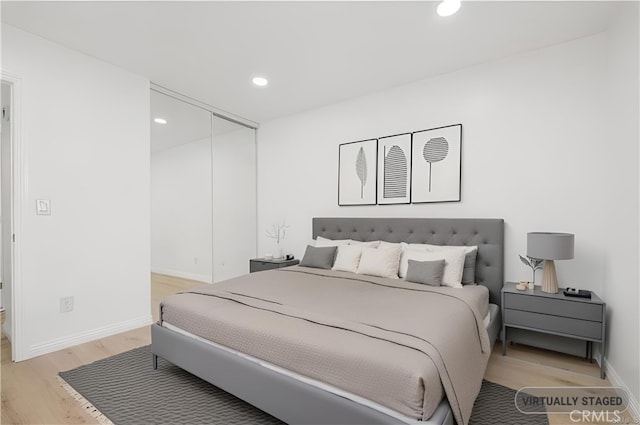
point(381, 262)
point(348, 258)
point(436, 248)
point(370, 244)
point(324, 242)
point(411, 254)
point(453, 264)
point(404, 260)
point(384, 244)
point(418, 246)
point(469, 269)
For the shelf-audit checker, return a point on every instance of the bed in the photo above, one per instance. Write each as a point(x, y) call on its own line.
point(294, 395)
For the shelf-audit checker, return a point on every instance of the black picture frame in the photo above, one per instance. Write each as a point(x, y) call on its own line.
point(394, 169)
point(357, 173)
point(436, 171)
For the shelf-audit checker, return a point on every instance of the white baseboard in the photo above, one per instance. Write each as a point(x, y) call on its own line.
point(82, 337)
point(184, 275)
point(617, 381)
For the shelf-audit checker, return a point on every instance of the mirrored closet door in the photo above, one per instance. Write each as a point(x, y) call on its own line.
point(234, 198)
point(203, 191)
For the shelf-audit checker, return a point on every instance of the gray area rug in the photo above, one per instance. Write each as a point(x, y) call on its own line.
point(495, 405)
point(125, 390)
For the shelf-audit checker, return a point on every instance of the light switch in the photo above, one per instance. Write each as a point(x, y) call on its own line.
point(43, 207)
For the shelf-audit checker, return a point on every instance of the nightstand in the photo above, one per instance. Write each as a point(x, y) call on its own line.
point(260, 264)
point(556, 314)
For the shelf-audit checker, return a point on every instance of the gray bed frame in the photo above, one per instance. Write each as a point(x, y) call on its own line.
point(295, 402)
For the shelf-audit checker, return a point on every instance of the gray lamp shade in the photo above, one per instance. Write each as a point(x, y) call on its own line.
point(550, 246)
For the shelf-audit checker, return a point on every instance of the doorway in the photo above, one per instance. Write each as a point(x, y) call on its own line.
point(10, 210)
point(203, 190)
point(5, 216)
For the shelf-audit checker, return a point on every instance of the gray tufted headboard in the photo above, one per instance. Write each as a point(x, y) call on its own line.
point(486, 233)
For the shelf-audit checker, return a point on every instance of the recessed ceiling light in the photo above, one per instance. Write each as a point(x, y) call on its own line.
point(160, 120)
point(448, 7)
point(260, 81)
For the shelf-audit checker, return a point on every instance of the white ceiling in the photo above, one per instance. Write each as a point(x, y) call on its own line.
point(314, 53)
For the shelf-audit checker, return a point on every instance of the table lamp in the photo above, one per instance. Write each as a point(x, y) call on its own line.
point(549, 247)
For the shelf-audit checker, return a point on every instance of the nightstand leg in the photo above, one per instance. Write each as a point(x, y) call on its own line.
point(586, 351)
point(504, 340)
point(602, 349)
point(589, 355)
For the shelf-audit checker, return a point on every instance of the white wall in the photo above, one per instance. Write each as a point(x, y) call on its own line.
point(85, 146)
point(621, 259)
point(181, 211)
point(536, 152)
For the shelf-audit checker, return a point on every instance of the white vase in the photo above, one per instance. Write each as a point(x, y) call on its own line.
point(278, 253)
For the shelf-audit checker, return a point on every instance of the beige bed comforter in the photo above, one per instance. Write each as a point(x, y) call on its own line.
point(396, 343)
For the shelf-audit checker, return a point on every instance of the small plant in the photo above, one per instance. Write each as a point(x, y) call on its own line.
point(277, 231)
point(534, 263)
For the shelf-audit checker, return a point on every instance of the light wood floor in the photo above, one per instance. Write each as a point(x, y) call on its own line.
point(31, 393)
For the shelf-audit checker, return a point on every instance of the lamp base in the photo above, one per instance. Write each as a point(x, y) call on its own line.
point(549, 278)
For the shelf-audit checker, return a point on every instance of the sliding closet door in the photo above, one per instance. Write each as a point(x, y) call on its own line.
point(234, 198)
point(181, 189)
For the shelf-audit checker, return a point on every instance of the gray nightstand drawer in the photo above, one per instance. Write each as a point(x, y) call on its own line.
point(556, 307)
point(562, 325)
point(258, 266)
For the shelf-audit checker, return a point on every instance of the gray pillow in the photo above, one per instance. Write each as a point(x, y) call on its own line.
point(425, 272)
point(469, 271)
point(319, 257)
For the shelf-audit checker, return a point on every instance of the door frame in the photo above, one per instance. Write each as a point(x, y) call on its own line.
point(17, 200)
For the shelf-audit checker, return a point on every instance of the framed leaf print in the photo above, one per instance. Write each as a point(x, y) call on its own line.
point(435, 172)
point(394, 169)
point(357, 182)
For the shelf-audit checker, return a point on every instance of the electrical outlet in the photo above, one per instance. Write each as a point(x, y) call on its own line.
point(66, 304)
point(195, 260)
